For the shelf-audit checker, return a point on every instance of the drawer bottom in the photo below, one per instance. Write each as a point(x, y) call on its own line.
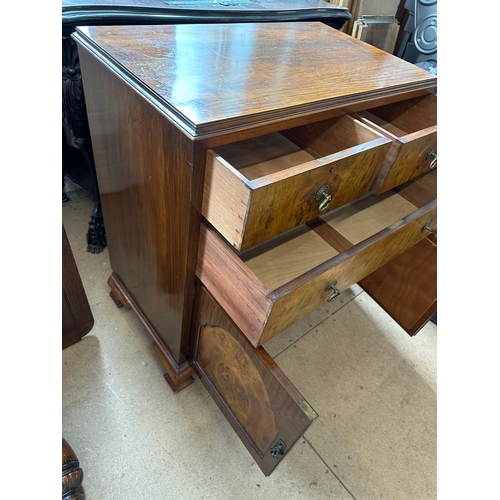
point(264, 408)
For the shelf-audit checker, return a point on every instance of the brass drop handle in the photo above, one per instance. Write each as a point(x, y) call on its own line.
point(335, 294)
point(323, 193)
point(432, 154)
point(430, 229)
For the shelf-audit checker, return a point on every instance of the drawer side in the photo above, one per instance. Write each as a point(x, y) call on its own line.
point(228, 277)
point(407, 159)
point(226, 198)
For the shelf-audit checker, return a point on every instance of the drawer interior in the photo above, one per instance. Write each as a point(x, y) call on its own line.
point(288, 256)
point(405, 117)
point(280, 151)
point(284, 258)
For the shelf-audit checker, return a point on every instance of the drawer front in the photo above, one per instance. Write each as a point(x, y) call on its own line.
point(408, 158)
point(412, 127)
point(261, 313)
point(345, 270)
point(264, 408)
point(265, 186)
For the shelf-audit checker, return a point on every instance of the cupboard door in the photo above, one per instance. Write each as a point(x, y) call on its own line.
point(406, 287)
point(264, 408)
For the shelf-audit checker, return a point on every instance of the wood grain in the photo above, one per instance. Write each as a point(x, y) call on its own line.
point(364, 218)
point(256, 293)
point(263, 155)
point(150, 199)
point(288, 256)
point(72, 474)
point(411, 115)
point(412, 125)
point(406, 287)
point(233, 375)
point(226, 198)
point(262, 187)
point(421, 190)
point(77, 317)
point(232, 284)
point(257, 398)
point(308, 292)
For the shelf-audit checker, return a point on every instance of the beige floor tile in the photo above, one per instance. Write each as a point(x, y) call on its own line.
point(374, 388)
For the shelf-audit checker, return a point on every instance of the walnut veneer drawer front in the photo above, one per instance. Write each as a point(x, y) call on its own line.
point(258, 188)
point(267, 288)
point(412, 126)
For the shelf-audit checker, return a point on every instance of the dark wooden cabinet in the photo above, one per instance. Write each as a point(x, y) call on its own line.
point(77, 318)
point(238, 174)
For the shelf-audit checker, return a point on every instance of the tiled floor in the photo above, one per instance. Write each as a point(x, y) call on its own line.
point(373, 387)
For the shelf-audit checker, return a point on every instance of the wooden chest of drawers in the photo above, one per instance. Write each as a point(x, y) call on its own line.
point(248, 174)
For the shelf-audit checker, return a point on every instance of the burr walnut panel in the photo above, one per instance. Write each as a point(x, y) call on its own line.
point(265, 409)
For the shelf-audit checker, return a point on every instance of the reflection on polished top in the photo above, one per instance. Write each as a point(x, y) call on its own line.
point(216, 77)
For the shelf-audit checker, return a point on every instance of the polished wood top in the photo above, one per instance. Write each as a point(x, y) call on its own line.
point(218, 77)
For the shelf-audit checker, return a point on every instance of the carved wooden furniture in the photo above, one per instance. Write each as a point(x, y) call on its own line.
point(78, 157)
point(249, 173)
point(72, 474)
point(77, 318)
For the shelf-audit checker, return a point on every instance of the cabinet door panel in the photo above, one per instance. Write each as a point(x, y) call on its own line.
point(406, 287)
point(264, 408)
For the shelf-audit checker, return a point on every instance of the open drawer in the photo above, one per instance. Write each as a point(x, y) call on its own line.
point(412, 126)
point(264, 408)
point(261, 187)
point(271, 286)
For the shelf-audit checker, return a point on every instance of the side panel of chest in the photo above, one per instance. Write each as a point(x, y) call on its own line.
point(149, 196)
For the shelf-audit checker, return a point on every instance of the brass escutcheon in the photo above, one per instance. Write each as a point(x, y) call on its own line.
point(323, 193)
point(430, 229)
point(335, 294)
point(278, 450)
point(432, 154)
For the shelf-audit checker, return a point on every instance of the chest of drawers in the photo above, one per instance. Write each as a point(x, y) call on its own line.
point(248, 174)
